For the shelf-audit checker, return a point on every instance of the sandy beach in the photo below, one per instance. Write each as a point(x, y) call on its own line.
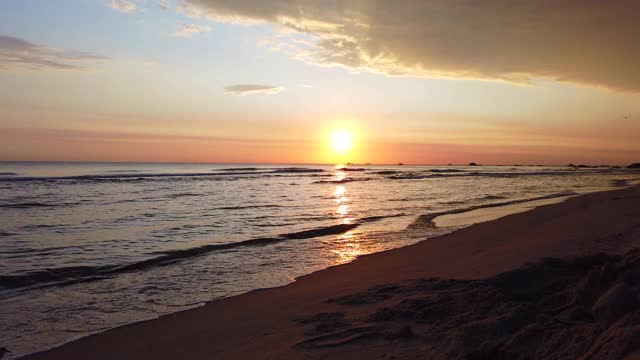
point(486, 291)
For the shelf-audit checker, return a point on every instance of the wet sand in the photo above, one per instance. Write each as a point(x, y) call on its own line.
point(486, 291)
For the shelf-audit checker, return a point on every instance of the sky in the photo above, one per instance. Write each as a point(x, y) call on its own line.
point(257, 81)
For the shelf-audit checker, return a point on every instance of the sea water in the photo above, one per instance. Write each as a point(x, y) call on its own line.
point(85, 247)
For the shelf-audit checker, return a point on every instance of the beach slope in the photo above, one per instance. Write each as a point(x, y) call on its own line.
point(486, 291)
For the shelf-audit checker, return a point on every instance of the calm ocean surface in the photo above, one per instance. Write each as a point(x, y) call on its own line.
point(85, 247)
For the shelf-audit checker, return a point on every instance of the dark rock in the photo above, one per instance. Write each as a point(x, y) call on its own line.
point(634, 166)
point(614, 304)
point(404, 333)
point(570, 308)
point(320, 317)
point(473, 164)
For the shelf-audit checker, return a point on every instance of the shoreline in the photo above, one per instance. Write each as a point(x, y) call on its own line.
point(453, 219)
point(385, 267)
point(459, 220)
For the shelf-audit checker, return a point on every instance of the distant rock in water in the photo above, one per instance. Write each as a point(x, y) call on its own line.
point(351, 169)
point(400, 163)
point(634, 166)
point(473, 164)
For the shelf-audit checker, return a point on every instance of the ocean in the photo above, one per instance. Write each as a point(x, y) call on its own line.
point(85, 247)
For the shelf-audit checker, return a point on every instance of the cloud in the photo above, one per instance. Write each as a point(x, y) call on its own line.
point(246, 89)
point(164, 4)
point(17, 52)
point(580, 41)
point(122, 5)
point(188, 30)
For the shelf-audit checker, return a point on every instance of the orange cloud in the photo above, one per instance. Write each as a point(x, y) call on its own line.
point(246, 89)
point(581, 41)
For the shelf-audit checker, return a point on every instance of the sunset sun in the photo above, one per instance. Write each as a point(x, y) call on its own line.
point(341, 141)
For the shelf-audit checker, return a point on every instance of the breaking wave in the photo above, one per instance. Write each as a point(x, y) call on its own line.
point(426, 220)
point(71, 275)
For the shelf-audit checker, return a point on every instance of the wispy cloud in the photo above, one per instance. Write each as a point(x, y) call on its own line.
point(246, 89)
point(17, 52)
point(189, 30)
point(124, 6)
point(164, 4)
point(580, 41)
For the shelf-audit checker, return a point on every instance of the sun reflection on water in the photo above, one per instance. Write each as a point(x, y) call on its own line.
point(340, 194)
point(347, 245)
point(340, 197)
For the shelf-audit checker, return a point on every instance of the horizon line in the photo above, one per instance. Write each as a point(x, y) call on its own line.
point(292, 163)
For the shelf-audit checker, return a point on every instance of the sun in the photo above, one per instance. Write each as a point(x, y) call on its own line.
point(341, 141)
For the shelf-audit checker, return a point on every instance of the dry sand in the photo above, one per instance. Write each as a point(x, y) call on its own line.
point(483, 292)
